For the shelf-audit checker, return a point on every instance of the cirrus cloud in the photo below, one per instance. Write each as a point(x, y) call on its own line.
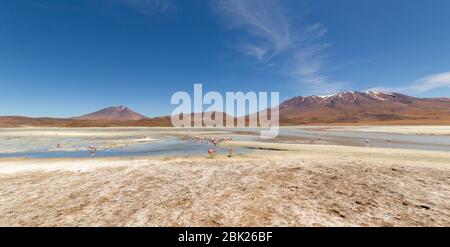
point(422, 85)
point(273, 34)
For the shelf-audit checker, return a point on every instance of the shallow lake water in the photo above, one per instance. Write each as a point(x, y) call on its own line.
point(118, 142)
point(169, 147)
point(371, 139)
point(76, 143)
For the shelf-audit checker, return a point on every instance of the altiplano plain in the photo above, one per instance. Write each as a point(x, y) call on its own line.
point(267, 184)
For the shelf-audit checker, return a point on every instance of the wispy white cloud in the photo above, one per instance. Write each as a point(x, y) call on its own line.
point(432, 82)
point(259, 52)
point(149, 7)
point(422, 85)
point(273, 35)
point(262, 19)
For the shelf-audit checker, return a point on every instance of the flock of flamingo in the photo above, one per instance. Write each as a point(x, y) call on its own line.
point(209, 140)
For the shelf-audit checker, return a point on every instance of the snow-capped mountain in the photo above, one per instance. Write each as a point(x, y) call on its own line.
point(117, 113)
point(367, 106)
point(345, 98)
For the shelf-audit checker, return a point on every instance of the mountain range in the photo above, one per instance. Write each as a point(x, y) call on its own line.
point(352, 107)
point(364, 107)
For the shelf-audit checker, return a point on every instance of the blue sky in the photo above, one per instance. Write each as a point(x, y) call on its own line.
point(69, 57)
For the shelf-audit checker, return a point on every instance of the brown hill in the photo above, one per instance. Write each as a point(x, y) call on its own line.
point(18, 121)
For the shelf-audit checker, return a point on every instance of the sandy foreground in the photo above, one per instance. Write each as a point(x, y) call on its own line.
point(276, 185)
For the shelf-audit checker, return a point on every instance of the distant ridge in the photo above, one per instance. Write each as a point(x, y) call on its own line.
point(354, 107)
point(116, 113)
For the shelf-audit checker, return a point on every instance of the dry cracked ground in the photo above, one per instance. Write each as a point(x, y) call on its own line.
point(270, 189)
